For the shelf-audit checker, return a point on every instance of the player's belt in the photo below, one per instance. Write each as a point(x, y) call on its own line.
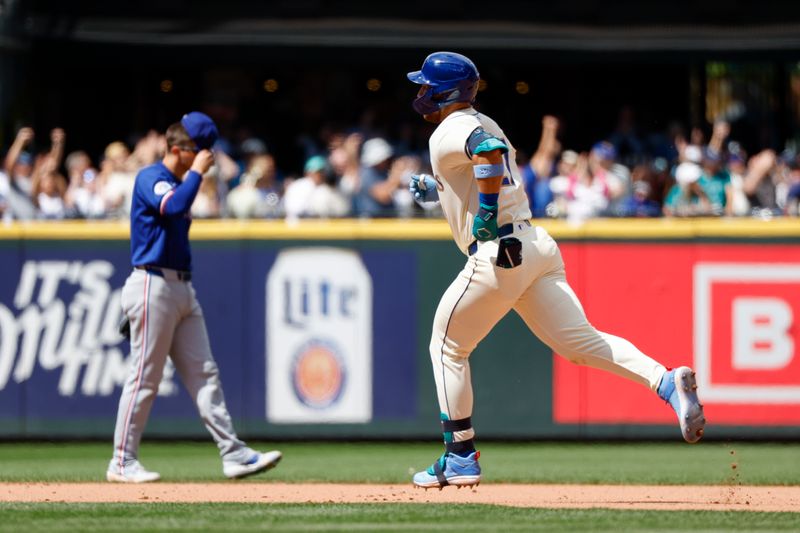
point(166, 273)
point(503, 231)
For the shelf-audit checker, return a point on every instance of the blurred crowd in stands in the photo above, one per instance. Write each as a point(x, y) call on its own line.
point(347, 174)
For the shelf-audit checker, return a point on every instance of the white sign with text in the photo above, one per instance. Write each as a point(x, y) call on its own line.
point(319, 337)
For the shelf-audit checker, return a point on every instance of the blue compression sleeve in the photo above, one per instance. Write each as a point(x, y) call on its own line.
point(184, 194)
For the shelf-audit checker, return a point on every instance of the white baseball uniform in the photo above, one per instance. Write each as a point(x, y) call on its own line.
point(483, 293)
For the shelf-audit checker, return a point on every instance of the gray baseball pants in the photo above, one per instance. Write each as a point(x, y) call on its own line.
point(166, 318)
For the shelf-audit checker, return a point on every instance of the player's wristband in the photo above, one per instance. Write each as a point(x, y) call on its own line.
point(488, 198)
point(488, 171)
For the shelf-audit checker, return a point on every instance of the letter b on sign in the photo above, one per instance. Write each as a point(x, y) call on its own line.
point(761, 337)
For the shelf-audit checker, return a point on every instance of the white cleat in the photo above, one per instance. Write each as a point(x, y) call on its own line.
point(132, 472)
point(258, 462)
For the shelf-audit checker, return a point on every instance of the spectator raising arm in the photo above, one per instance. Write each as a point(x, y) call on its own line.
point(718, 136)
point(548, 149)
point(23, 138)
point(759, 167)
point(56, 154)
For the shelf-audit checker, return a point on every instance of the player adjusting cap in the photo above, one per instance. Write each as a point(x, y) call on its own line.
point(201, 129)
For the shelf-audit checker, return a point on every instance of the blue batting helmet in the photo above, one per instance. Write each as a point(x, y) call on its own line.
point(451, 77)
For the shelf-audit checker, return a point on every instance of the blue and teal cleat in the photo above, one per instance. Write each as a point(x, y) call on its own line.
point(451, 469)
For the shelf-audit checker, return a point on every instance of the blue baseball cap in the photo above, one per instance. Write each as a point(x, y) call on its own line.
point(735, 157)
point(605, 150)
point(710, 154)
point(25, 158)
point(787, 156)
point(201, 129)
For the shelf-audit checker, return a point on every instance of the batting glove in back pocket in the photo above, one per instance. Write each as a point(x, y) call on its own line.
point(509, 253)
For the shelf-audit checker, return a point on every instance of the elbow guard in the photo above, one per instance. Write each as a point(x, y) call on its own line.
point(480, 141)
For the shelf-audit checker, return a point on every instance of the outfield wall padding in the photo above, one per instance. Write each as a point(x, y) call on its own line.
point(321, 330)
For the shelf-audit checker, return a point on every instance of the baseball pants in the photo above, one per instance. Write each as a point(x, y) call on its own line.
point(538, 291)
point(166, 318)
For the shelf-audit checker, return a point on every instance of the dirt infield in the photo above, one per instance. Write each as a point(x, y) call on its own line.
point(715, 498)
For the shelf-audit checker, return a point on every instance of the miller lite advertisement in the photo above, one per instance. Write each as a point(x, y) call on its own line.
point(319, 338)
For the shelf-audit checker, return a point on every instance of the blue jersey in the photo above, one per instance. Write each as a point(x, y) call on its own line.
point(160, 218)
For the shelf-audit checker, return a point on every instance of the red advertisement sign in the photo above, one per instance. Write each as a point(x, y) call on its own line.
point(732, 312)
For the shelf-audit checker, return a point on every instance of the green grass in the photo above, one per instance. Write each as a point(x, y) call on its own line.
point(371, 517)
point(662, 463)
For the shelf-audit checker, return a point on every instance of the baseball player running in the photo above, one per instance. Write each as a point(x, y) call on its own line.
point(165, 316)
point(511, 265)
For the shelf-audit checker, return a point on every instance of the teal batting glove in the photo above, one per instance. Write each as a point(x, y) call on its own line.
point(484, 228)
